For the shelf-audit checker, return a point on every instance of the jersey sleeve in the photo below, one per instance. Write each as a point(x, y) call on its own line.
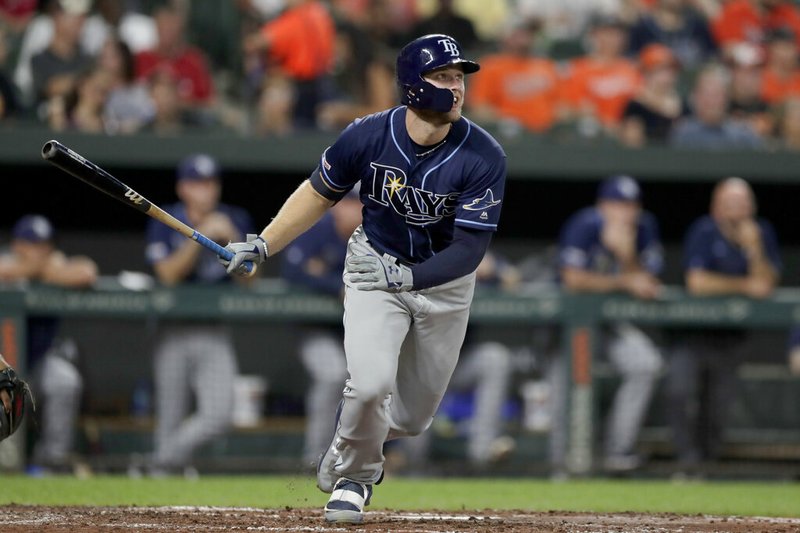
point(336, 173)
point(575, 242)
point(697, 251)
point(651, 252)
point(771, 247)
point(157, 246)
point(481, 202)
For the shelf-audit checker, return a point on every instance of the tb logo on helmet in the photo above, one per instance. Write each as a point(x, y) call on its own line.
point(449, 47)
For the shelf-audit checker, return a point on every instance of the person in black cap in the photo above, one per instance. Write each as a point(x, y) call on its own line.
point(34, 258)
point(614, 246)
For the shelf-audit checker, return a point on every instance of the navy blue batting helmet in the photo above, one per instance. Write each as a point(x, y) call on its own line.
point(422, 55)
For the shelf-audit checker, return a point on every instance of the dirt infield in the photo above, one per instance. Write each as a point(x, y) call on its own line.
point(18, 518)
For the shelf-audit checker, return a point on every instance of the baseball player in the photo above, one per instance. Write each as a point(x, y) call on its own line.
point(729, 251)
point(34, 257)
point(195, 357)
point(431, 185)
point(314, 261)
point(614, 246)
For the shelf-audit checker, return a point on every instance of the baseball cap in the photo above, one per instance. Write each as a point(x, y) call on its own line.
point(620, 188)
point(33, 228)
point(75, 7)
point(656, 55)
point(198, 167)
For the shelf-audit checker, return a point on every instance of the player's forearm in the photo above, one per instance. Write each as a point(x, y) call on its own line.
point(705, 283)
point(179, 264)
point(3, 363)
point(577, 280)
point(300, 211)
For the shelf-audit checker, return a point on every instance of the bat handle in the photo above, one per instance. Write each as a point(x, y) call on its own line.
point(217, 249)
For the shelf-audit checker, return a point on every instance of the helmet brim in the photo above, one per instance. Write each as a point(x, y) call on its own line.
point(466, 65)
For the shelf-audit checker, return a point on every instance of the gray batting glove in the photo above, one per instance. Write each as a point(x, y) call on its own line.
point(372, 273)
point(254, 250)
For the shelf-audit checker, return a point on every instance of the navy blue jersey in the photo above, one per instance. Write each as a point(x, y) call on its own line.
point(323, 245)
point(412, 203)
point(707, 249)
point(162, 241)
point(580, 244)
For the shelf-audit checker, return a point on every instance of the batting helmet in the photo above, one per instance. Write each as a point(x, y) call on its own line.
point(422, 55)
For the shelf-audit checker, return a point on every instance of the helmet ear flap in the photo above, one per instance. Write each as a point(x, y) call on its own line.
point(425, 95)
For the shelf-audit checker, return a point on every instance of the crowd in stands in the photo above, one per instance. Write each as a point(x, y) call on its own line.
point(697, 73)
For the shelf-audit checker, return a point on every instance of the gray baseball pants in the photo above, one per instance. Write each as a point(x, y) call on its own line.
point(199, 361)
point(401, 350)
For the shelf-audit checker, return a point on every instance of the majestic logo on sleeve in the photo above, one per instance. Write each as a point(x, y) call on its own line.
point(484, 202)
point(449, 47)
point(418, 206)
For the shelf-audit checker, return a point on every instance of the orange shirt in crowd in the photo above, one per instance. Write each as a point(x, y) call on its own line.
point(775, 89)
point(740, 21)
point(189, 68)
point(523, 88)
point(301, 40)
point(603, 87)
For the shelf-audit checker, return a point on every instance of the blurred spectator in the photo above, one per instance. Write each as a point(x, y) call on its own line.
point(610, 247)
point(84, 105)
point(728, 252)
point(781, 76)
point(137, 30)
point(750, 20)
point(169, 117)
point(598, 86)
point(15, 15)
point(678, 25)
point(193, 359)
point(58, 384)
point(314, 261)
point(787, 124)
point(128, 106)
point(9, 96)
point(299, 49)
point(514, 86)
point(363, 79)
point(446, 20)
point(565, 20)
point(55, 69)
point(746, 103)
point(113, 18)
point(386, 21)
point(710, 126)
point(487, 18)
point(650, 115)
point(185, 62)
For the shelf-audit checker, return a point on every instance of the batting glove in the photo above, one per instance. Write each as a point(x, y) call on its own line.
point(254, 250)
point(372, 273)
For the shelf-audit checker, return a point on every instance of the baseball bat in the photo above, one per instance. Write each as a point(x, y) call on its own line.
point(78, 166)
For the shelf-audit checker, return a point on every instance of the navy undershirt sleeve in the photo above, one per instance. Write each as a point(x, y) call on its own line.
point(459, 259)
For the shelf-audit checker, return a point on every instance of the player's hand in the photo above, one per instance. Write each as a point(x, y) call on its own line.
point(641, 284)
point(254, 250)
point(371, 273)
point(218, 227)
point(756, 287)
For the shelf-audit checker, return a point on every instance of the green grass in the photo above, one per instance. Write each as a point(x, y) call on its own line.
point(718, 498)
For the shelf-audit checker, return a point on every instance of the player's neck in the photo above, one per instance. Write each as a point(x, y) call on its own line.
point(423, 130)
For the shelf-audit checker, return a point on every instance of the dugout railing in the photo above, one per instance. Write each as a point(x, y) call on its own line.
point(577, 317)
